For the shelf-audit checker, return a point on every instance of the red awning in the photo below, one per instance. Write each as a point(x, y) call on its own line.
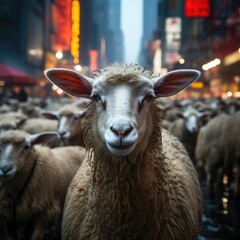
point(14, 77)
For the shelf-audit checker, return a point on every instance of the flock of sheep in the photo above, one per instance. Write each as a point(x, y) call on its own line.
point(105, 165)
point(209, 129)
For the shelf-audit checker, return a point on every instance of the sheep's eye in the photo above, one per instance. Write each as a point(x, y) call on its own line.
point(26, 147)
point(95, 97)
point(150, 97)
point(74, 119)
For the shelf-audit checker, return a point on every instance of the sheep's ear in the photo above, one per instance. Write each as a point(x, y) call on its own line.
point(205, 114)
point(20, 121)
point(174, 81)
point(42, 137)
point(70, 81)
point(179, 114)
point(50, 115)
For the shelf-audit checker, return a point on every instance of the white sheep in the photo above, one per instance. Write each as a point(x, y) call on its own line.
point(18, 120)
point(34, 181)
point(11, 120)
point(69, 119)
point(138, 181)
point(4, 108)
point(186, 128)
point(38, 125)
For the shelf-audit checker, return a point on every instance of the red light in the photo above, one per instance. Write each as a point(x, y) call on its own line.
point(197, 8)
point(93, 59)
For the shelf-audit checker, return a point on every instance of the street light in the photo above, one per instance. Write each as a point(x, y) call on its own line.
point(78, 67)
point(59, 55)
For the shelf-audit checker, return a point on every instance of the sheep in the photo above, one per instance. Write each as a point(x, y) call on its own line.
point(31, 110)
point(37, 125)
point(137, 181)
point(4, 109)
point(232, 152)
point(11, 120)
point(18, 120)
point(13, 104)
point(69, 119)
point(209, 151)
point(232, 105)
point(33, 181)
point(186, 128)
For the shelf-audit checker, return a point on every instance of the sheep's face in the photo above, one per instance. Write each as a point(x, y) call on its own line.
point(68, 125)
point(13, 155)
point(122, 95)
point(11, 122)
point(15, 150)
point(193, 119)
point(69, 119)
point(4, 126)
point(122, 111)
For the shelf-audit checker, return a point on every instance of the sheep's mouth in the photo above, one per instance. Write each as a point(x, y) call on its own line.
point(120, 150)
point(63, 137)
point(7, 175)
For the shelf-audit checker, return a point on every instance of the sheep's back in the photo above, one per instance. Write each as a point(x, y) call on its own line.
point(76, 202)
point(37, 125)
point(184, 184)
point(232, 138)
point(47, 188)
point(184, 206)
point(211, 139)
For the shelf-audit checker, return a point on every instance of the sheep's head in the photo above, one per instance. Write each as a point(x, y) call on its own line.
point(193, 119)
point(12, 121)
point(122, 97)
point(15, 146)
point(69, 119)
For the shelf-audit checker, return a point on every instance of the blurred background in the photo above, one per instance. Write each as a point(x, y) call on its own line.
point(160, 35)
point(88, 35)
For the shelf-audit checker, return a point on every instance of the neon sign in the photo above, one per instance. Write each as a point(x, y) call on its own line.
point(197, 8)
point(75, 31)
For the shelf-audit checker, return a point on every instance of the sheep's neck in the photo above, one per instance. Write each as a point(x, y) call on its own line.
point(17, 185)
point(126, 193)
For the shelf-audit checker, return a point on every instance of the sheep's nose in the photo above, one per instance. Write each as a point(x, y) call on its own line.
point(121, 130)
point(6, 168)
point(62, 133)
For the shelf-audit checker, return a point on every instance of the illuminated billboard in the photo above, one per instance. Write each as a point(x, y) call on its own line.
point(61, 25)
point(197, 8)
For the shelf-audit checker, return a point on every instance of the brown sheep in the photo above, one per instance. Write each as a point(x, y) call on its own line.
point(33, 181)
point(69, 119)
point(138, 181)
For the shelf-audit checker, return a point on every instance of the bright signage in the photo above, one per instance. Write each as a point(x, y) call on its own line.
point(196, 8)
point(75, 31)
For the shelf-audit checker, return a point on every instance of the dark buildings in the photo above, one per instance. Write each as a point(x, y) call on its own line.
point(37, 34)
point(200, 34)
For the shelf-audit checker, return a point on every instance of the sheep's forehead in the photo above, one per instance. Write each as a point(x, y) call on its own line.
point(13, 136)
point(191, 112)
point(118, 68)
point(131, 79)
point(66, 112)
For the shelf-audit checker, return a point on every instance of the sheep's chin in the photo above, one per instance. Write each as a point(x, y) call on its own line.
point(8, 175)
point(120, 151)
point(64, 137)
